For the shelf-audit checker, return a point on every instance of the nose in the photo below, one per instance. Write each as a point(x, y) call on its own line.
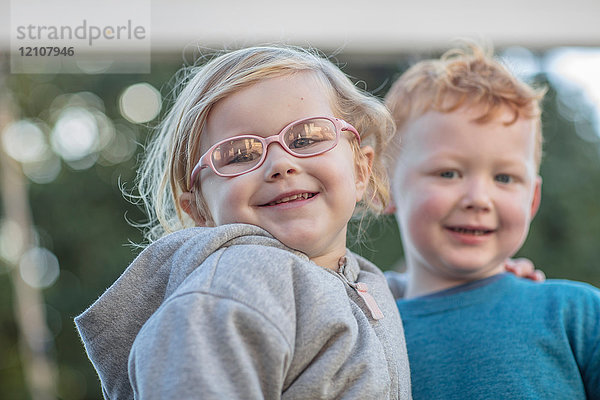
point(279, 163)
point(477, 195)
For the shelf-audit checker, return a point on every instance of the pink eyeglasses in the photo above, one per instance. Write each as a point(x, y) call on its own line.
point(306, 137)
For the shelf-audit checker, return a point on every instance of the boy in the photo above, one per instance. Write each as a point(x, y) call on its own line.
point(466, 187)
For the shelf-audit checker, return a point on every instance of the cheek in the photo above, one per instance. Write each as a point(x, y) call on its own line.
point(514, 212)
point(222, 197)
point(209, 194)
point(422, 211)
point(337, 169)
point(426, 204)
point(514, 216)
point(341, 183)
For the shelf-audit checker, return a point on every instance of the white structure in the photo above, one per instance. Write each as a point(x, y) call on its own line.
point(376, 27)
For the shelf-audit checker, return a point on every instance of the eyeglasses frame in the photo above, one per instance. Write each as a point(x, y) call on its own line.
point(206, 159)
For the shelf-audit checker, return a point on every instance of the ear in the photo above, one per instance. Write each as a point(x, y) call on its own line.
point(187, 202)
point(363, 171)
point(537, 196)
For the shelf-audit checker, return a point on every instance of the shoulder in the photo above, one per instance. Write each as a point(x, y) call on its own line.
point(560, 294)
point(257, 266)
point(186, 311)
point(576, 293)
point(572, 287)
point(555, 287)
point(258, 281)
point(227, 308)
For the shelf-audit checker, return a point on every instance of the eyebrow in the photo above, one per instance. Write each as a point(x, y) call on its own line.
point(465, 158)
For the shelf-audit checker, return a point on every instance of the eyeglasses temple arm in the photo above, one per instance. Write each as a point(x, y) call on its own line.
point(199, 167)
point(347, 127)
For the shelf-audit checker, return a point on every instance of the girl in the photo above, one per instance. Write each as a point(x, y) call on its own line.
point(250, 292)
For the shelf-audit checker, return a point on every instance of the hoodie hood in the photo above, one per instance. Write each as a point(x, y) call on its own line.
point(109, 327)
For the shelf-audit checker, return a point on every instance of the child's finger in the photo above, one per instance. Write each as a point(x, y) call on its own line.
point(538, 275)
point(524, 268)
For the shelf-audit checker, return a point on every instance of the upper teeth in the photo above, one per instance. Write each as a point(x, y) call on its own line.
point(292, 197)
point(476, 232)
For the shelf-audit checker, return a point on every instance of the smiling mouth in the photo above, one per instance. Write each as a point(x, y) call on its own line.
point(468, 231)
point(294, 197)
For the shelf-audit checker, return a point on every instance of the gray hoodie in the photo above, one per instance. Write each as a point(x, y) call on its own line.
point(231, 313)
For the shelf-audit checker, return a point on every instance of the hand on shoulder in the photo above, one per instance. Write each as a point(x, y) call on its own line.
point(524, 268)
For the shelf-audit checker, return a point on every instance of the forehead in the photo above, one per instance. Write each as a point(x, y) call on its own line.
point(459, 132)
point(265, 107)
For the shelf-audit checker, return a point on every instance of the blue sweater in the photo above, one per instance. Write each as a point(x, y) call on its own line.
point(505, 338)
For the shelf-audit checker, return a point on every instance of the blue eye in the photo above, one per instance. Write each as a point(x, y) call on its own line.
point(449, 174)
point(503, 178)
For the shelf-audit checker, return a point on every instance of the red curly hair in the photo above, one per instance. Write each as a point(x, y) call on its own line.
point(462, 78)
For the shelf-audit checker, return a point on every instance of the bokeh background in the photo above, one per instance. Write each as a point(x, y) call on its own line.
point(70, 147)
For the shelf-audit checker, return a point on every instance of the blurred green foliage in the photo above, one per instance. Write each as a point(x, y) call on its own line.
point(82, 215)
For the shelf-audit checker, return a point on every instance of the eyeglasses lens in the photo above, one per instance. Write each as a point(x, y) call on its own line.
point(310, 137)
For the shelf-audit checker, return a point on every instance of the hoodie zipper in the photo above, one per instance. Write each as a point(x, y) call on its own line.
point(363, 291)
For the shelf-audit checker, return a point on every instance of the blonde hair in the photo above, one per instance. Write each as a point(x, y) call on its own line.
point(462, 77)
point(173, 152)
